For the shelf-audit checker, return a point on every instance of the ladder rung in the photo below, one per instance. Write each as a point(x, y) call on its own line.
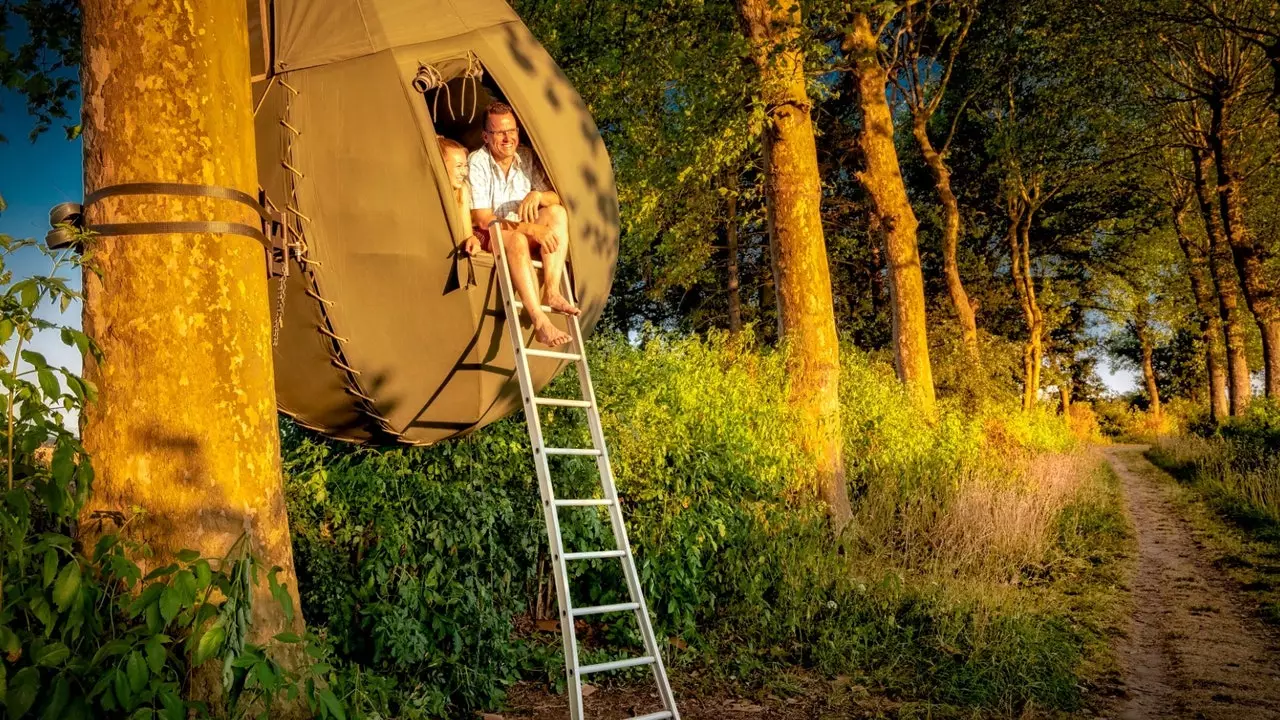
point(545, 308)
point(562, 402)
point(537, 264)
point(573, 451)
point(602, 609)
point(554, 354)
point(660, 715)
point(595, 555)
point(588, 502)
point(615, 665)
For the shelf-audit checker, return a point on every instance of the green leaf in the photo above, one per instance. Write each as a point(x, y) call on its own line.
point(120, 685)
point(188, 556)
point(143, 714)
point(35, 359)
point(185, 585)
point(67, 585)
point(49, 383)
point(155, 654)
point(111, 649)
point(52, 654)
point(50, 567)
point(29, 292)
point(170, 604)
point(155, 623)
point(173, 707)
point(63, 465)
point(136, 669)
point(209, 645)
point(6, 330)
point(160, 571)
point(4, 676)
point(331, 704)
point(203, 574)
point(9, 643)
point(61, 694)
point(288, 637)
point(22, 692)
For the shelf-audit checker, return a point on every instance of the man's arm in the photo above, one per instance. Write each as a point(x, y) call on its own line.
point(483, 217)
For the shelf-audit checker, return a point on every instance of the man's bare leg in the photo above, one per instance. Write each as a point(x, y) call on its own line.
point(555, 218)
point(520, 263)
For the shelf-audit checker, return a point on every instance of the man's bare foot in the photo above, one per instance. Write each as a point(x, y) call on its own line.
point(548, 334)
point(559, 304)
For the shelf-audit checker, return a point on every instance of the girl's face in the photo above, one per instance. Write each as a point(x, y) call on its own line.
point(455, 162)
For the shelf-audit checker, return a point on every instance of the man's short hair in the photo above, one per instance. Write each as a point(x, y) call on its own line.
point(496, 108)
point(447, 144)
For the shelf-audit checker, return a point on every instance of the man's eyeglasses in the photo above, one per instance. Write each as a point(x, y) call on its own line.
point(503, 133)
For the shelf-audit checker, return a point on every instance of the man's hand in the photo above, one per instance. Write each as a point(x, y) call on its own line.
point(530, 206)
point(547, 238)
point(471, 245)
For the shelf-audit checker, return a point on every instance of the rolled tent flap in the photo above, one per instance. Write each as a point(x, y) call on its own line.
point(389, 334)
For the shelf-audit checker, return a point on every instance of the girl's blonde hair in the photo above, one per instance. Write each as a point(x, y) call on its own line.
point(446, 145)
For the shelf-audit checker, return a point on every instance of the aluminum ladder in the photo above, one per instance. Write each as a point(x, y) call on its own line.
point(551, 505)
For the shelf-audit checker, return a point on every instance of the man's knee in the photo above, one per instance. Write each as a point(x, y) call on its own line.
point(516, 241)
point(554, 214)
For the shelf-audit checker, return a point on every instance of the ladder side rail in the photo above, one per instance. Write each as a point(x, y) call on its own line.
point(533, 422)
point(643, 619)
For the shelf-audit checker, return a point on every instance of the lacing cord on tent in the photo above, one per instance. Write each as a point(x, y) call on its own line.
point(295, 235)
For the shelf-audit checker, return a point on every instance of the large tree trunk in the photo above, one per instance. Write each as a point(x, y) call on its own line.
point(882, 179)
point(1240, 386)
point(731, 239)
point(794, 193)
point(1249, 258)
point(1210, 321)
point(185, 426)
point(950, 238)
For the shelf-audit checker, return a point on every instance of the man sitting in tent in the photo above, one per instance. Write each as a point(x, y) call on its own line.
point(508, 184)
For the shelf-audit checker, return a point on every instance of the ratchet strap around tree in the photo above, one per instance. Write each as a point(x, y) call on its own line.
point(68, 213)
point(270, 235)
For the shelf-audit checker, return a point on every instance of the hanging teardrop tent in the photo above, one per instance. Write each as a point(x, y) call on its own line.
point(386, 332)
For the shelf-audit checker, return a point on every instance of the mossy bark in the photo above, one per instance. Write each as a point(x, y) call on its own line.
point(1020, 208)
point(881, 176)
point(1226, 285)
point(184, 436)
point(803, 279)
point(1148, 367)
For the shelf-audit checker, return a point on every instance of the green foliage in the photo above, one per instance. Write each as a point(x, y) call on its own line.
point(39, 51)
point(421, 564)
point(84, 633)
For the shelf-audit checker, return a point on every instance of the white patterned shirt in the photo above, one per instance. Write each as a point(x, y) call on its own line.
point(502, 193)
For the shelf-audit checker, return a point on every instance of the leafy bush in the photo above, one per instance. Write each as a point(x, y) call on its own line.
point(83, 634)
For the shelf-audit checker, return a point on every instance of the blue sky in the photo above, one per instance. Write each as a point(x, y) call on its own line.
point(33, 178)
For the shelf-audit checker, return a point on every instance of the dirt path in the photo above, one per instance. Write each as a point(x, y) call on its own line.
point(1193, 649)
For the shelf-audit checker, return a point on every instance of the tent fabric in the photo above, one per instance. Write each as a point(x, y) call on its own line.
point(318, 32)
point(384, 337)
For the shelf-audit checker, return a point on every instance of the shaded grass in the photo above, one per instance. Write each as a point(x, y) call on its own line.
point(1231, 496)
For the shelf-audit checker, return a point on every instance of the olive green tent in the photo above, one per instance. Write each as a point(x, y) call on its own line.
point(387, 333)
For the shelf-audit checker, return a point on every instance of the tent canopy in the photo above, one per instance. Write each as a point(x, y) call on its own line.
point(389, 334)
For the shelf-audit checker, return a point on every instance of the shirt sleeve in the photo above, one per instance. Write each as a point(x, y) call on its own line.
point(538, 177)
point(481, 187)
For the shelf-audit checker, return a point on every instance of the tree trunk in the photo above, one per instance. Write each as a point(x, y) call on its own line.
point(1210, 321)
point(1148, 368)
point(882, 179)
point(731, 238)
point(185, 425)
point(1020, 215)
point(950, 238)
point(1249, 257)
point(1240, 385)
point(794, 193)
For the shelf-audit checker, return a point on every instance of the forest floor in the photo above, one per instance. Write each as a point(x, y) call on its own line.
point(1195, 647)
